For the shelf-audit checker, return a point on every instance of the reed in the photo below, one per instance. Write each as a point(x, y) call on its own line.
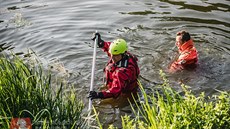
point(27, 91)
point(167, 109)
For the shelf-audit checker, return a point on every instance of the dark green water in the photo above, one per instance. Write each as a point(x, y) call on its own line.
point(59, 31)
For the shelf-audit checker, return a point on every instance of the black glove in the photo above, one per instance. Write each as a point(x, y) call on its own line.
point(95, 95)
point(100, 42)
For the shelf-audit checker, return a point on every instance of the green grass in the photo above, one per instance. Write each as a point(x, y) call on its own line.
point(27, 91)
point(170, 110)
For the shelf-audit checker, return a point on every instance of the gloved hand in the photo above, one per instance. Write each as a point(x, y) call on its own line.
point(100, 42)
point(95, 95)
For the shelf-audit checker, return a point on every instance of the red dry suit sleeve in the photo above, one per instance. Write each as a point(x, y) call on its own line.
point(105, 48)
point(120, 80)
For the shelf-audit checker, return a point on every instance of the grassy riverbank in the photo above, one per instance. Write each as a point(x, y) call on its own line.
point(170, 110)
point(27, 91)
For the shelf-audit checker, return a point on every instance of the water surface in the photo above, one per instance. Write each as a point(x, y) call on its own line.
point(59, 32)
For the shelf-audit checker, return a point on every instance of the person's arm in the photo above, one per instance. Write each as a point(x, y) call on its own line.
point(188, 57)
point(101, 43)
point(105, 47)
point(176, 65)
point(120, 80)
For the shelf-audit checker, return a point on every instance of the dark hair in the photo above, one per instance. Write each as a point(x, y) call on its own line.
point(185, 36)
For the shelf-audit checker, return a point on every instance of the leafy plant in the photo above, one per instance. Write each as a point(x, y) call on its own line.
point(27, 91)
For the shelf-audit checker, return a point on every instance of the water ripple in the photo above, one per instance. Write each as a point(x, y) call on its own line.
point(62, 30)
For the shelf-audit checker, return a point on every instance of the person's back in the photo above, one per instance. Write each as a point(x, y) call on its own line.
point(188, 56)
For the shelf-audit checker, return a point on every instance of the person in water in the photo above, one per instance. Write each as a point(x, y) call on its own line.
point(121, 71)
point(188, 56)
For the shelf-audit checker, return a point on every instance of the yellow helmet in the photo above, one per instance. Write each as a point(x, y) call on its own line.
point(118, 46)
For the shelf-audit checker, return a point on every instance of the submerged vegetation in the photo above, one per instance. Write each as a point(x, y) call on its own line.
point(27, 91)
point(170, 110)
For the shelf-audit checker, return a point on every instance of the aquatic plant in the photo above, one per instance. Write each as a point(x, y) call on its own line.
point(27, 91)
point(167, 109)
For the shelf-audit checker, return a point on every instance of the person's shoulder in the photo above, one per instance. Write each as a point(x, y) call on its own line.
point(133, 56)
point(132, 61)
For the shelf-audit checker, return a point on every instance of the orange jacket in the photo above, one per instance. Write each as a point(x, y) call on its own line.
point(188, 57)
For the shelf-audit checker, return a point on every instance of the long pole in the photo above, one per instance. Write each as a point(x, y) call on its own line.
point(93, 70)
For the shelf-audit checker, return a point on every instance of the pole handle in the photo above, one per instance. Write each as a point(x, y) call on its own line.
point(93, 70)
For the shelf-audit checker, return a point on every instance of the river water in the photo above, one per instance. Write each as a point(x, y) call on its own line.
point(59, 32)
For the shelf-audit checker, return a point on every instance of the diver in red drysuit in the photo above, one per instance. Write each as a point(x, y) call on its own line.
point(121, 70)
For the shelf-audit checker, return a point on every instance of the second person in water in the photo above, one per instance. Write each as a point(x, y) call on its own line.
point(188, 56)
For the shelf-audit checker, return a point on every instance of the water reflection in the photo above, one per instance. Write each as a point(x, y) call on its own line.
point(200, 6)
point(146, 12)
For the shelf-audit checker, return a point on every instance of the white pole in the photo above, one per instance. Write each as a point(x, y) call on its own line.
point(93, 70)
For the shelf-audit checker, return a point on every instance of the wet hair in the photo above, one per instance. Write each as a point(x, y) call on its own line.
point(185, 36)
